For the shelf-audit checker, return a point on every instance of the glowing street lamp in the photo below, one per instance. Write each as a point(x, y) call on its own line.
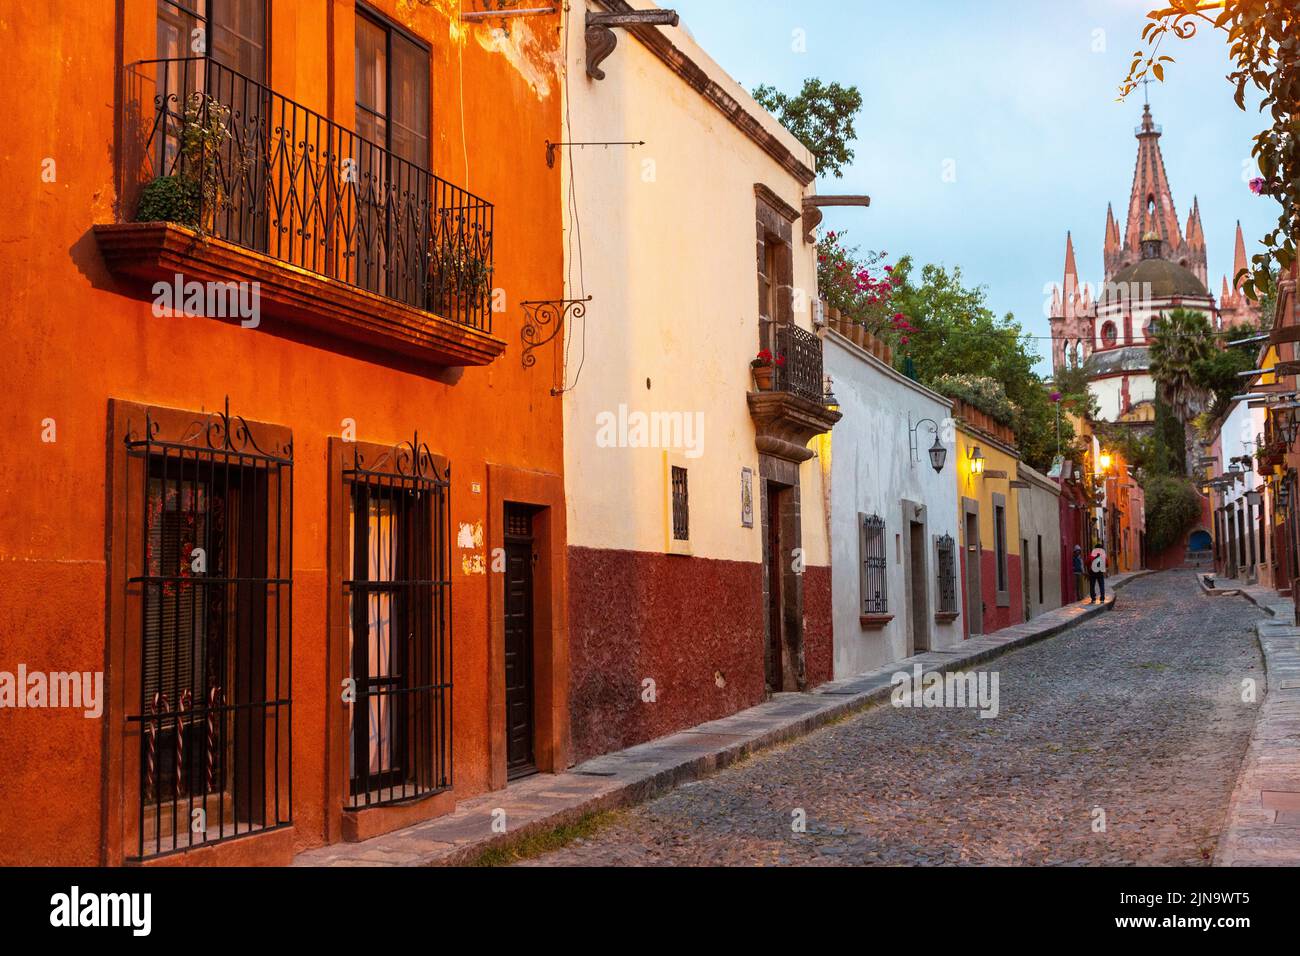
point(976, 461)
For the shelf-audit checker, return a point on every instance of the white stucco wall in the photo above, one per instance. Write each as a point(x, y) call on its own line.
point(1040, 517)
point(1109, 393)
point(872, 472)
point(668, 253)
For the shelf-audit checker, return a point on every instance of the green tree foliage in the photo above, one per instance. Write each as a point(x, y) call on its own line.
point(1218, 374)
point(1159, 454)
point(1261, 36)
point(952, 332)
point(821, 117)
point(860, 286)
point(981, 392)
point(1172, 506)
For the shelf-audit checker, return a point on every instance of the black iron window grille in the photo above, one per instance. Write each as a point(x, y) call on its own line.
point(399, 609)
point(216, 150)
point(800, 370)
point(947, 562)
point(875, 599)
point(681, 506)
point(215, 710)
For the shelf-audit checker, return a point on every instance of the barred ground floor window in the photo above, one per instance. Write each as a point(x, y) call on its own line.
point(395, 590)
point(200, 627)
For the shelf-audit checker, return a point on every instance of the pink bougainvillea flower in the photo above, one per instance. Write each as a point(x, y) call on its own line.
point(1056, 396)
point(889, 268)
point(1257, 186)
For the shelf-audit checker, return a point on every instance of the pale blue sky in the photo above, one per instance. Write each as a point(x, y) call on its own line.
point(1016, 94)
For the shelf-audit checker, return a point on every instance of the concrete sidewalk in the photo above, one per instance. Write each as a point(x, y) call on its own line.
point(543, 802)
point(1263, 823)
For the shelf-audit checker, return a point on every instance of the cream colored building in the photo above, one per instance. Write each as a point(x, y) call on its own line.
point(686, 602)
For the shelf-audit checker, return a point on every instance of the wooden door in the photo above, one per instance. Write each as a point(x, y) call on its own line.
point(519, 643)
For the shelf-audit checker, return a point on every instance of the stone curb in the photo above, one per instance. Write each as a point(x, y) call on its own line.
point(1262, 825)
point(648, 770)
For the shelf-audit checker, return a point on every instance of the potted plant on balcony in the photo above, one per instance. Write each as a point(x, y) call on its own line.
point(194, 195)
point(764, 366)
point(460, 280)
point(1270, 454)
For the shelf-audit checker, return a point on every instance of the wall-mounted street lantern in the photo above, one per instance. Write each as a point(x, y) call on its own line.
point(1104, 461)
point(976, 458)
point(938, 454)
point(1287, 423)
point(828, 393)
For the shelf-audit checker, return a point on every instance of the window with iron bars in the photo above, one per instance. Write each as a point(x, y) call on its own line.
point(947, 551)
point(397, 593)
point(874, 566)
point(213, 591)
point(681, 506)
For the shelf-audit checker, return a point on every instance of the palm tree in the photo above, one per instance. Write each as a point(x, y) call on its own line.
point(1183, 338)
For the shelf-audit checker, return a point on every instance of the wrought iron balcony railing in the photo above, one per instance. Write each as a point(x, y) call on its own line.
point(214, 150)
point(801, 371)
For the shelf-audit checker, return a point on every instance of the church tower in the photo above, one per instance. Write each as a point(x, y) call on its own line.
point(1149, 256)
point(1071, 319)
point(1153, 264)
point(1235, 307)
point(1151, 209)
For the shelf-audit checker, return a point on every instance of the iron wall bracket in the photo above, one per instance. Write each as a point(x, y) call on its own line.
point(544, 320)
point(601, 39)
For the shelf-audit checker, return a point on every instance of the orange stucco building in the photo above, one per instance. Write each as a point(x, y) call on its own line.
point(313, 541)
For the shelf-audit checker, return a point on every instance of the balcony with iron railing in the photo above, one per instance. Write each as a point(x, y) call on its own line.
point(225, 180)
point(795, 407)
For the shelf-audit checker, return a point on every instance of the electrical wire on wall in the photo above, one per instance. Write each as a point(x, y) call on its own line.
point(574, 235)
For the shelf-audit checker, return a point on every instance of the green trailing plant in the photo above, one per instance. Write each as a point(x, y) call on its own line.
point(458, 273)
point(193, 196)
point(980, 392)
point(170, 199)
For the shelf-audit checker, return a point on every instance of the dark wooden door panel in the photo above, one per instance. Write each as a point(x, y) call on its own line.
point(519, 655)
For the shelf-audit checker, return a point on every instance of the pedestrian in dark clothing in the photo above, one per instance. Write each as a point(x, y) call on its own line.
point(1097, 577)
point(1077, 567)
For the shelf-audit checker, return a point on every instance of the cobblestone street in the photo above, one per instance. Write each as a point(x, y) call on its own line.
point(1137, 712)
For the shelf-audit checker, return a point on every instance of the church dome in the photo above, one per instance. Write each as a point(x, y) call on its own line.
point(1166, 279)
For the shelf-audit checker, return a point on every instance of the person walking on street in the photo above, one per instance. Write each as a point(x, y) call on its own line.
point(1077, 568)
point(1097, 576)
